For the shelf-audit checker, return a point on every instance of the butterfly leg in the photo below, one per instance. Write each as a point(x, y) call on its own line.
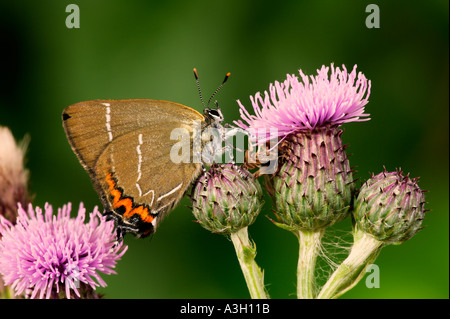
point(227, 132)
point(119, 235)
point(205, 182)
point(109, 216)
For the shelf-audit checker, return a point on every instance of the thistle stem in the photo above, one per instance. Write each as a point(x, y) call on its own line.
point(246, 253)
point(364, 251)
point(309, 246)
point(6, 292)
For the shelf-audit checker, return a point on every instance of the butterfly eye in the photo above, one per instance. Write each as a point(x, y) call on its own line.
point(214, 113)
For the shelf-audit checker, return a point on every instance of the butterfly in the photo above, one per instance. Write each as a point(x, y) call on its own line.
point(127, 147)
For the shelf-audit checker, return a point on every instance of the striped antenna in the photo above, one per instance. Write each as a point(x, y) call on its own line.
point(220, 86)
point(198, 87)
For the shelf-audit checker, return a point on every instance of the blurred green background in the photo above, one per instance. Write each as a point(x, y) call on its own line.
point(147, 49)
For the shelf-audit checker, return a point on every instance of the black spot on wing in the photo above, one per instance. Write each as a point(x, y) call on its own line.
point(65, 116)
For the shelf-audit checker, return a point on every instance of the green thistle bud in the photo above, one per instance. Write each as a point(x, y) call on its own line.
point(390, 207)
point(314, 186)
point(226, 199)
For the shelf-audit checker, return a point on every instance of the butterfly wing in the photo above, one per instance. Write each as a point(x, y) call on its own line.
point(125, 145)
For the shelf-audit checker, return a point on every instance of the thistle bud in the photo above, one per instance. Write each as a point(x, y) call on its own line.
point(390, 207)
point(226, 199)
point(13, 175)
point(314, 186)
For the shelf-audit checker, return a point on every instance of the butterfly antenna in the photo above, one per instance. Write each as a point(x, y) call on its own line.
point(220, 86)
point(198, 87)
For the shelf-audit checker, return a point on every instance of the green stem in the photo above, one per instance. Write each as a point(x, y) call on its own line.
point(246, 253)
point(364, 251)
point(309, 242)
point(6, 292)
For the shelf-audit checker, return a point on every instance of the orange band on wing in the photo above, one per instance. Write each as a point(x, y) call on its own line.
point(118, 200)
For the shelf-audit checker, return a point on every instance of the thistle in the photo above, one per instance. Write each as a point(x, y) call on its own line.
point(13, 182)
point(313, 187)
point(55, 256)
point(389, 210)
point(13, 175)
point(226, 200)
point(390, 207)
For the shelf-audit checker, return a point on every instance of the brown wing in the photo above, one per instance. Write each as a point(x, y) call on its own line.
point(125, 146)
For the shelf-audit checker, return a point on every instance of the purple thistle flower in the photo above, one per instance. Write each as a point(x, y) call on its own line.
point(313, 184)
point(314, 102)
point(43, 251)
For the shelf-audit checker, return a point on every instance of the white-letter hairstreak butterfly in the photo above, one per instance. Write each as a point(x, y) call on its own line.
point(125, 147)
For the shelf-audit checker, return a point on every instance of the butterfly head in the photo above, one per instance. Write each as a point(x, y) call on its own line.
point(213, 117)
